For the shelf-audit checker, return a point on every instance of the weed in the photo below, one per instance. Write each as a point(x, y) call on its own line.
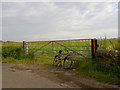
point(15, 52)
point(89, 67)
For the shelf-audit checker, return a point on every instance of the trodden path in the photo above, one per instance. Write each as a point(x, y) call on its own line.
point(22, 79)
point(37, 76)
point(13, 77)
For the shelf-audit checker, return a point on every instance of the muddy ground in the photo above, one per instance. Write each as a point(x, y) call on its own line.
point(65, 78)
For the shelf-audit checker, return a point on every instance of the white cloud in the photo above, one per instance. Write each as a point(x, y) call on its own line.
point(60, 0)
point(58, 20)
point(0, 21)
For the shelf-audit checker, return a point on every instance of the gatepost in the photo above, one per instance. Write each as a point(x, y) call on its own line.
point(25, 49)
point(93, 47)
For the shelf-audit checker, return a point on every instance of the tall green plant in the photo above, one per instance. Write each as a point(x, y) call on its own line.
point(115, 45)
point(15, 52)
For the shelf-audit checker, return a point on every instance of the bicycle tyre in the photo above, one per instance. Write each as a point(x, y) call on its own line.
point(66, 61)
point(56, 60)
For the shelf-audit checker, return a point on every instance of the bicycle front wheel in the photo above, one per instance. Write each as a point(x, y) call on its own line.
point(56, 60)
point(67, 62)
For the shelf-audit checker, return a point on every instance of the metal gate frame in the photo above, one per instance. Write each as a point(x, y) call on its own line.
point(93, 46)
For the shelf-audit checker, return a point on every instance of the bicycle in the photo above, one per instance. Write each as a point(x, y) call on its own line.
point(67, 63)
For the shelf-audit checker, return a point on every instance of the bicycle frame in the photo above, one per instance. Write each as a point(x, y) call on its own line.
point(59, 58)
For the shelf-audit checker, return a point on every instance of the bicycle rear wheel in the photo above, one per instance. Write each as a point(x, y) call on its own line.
point(56, 60)
point(67, 62)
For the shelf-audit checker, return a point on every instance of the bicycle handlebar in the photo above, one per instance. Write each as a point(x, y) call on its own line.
point(60, 51)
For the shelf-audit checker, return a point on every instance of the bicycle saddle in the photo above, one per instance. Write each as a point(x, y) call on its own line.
point(60, 51)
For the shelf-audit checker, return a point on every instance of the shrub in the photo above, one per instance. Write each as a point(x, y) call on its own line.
point(15, 52)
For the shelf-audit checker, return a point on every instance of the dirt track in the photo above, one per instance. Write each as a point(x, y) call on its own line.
point(14, 78)
point(29, 76)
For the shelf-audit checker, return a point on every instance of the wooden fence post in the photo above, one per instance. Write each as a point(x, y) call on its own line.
point(25, 47)
point(93, 47)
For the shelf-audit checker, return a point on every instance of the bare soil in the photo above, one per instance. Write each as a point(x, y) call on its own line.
point(66, 78)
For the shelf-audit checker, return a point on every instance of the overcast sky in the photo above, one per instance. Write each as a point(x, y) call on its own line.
point(58, 20)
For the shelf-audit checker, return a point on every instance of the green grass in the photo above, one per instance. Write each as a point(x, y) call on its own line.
point(109, 44)
point(105, 77)
point(90, 68)
point(14, 51)
point(36, 61)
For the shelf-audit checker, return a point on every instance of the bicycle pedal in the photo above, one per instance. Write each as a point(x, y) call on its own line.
point(59, 65)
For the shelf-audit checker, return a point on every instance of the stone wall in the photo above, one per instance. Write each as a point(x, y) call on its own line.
point(108, 57)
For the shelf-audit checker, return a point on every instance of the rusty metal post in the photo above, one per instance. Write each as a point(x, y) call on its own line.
point(93, 47)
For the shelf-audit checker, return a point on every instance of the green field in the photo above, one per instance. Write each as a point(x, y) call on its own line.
point(52, 48)
point(109, 44)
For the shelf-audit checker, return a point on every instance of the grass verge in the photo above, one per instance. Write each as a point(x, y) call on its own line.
point(90, 68)
point(33, 61)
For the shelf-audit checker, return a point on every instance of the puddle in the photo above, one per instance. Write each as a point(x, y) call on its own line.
point(10, 66)
point(59, 71)
point(28, 70)
point(69, 73)
point(5, 66)
point(0, 66)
